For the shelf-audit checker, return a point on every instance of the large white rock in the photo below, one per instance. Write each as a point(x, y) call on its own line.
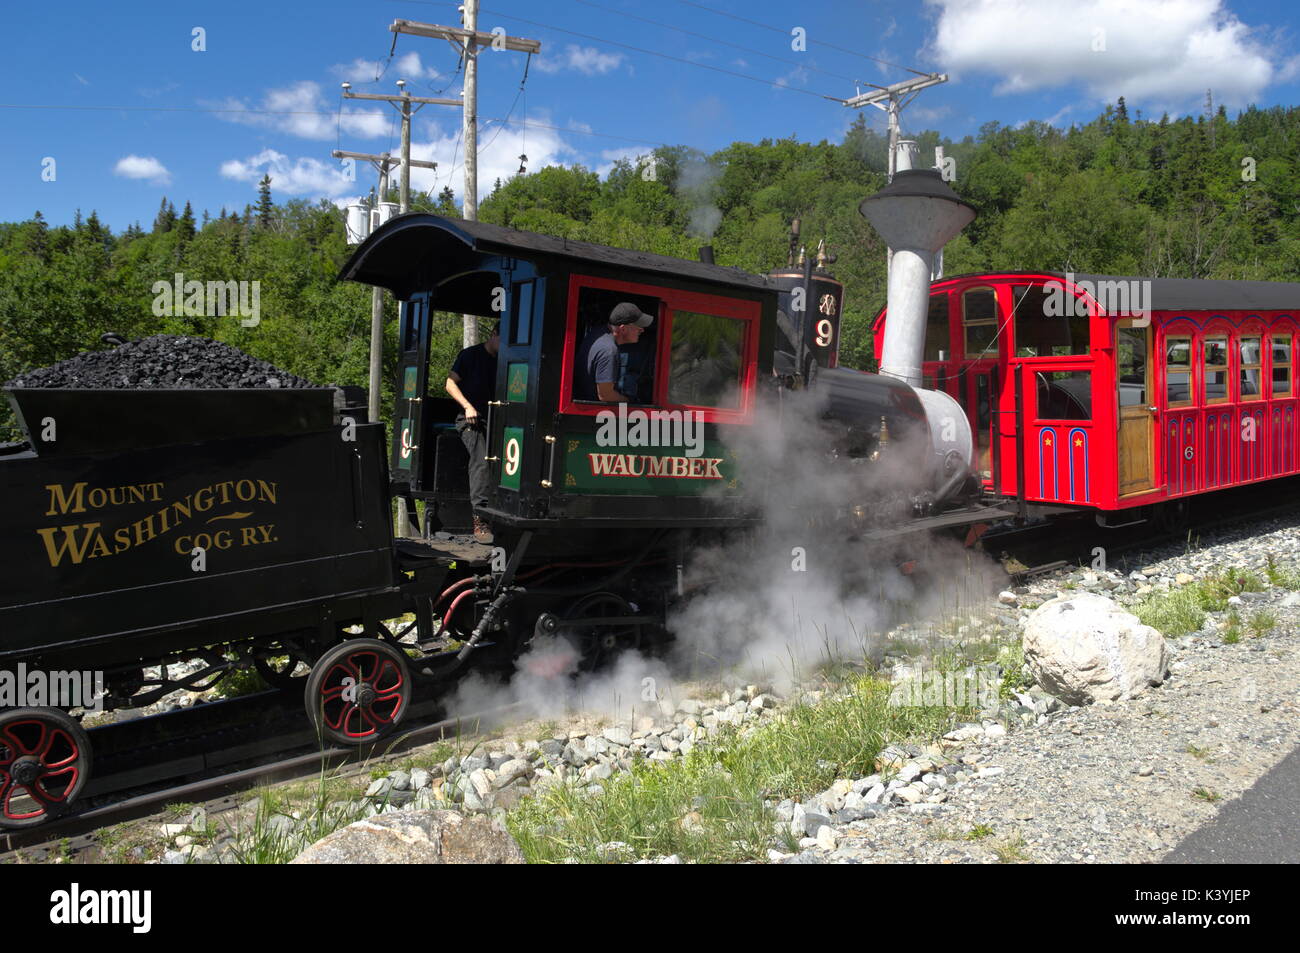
point(1085, 648)
point(416, 837)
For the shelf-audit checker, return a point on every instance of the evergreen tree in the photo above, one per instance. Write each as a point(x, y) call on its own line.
point(264, 204)
point(166, 217)
point(185, 224)
point(447, 202)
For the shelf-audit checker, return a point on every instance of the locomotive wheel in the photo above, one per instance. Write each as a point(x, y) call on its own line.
point(600, 644)
point(358, 691)
point(44, 764)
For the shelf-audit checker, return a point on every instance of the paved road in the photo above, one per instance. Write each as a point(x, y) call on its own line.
point(1260, 827)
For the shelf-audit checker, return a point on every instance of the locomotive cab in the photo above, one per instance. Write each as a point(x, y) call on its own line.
point(554, 455)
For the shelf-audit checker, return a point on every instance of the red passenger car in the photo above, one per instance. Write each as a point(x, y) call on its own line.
point(1110, 393)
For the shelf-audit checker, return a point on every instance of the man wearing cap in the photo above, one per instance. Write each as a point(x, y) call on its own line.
point(599, 361)
point(472, 383)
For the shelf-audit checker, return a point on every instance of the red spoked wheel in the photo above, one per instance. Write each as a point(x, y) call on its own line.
point(44, 764)
point(358, 691)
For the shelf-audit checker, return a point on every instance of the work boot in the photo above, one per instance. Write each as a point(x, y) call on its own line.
point(482, 532)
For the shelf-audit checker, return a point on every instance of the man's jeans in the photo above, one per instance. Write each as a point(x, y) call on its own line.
point(475, 441)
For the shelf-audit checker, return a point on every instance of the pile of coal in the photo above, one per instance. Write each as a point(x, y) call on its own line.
point(161, 361)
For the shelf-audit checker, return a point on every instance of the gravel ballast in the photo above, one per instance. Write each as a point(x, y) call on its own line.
point(1031, 780)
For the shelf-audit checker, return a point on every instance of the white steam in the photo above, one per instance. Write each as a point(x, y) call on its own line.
point(698, 182)
point(770, 606)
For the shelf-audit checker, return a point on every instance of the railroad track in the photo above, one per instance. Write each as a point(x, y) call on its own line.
point(1037, 549)
point(73, 834)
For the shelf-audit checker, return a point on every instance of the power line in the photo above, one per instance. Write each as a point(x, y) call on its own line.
point(786, 33)
point(505, 122)
point(639, 49)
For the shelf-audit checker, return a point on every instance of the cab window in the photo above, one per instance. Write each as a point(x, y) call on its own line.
point(636, 362)
point(704, 361)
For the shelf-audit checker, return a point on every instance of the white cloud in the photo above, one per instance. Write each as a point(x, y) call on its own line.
point(584, 59)
point(143, 167)
point(796, 77)
point(358, 71)
point(407, 66)
point(301, 176)
point(498, 157)
point(1157, 51)
point(301, 110)
point(632, 154)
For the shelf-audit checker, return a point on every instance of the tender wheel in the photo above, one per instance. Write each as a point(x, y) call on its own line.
point(44, 764)
point(599, 644)
point(358, 691)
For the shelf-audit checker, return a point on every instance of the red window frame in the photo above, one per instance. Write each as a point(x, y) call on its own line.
point(670, 300)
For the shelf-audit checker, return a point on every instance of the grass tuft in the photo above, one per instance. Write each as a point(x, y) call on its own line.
point(710, 807)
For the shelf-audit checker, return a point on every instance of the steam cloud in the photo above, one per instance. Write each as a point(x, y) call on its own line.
point(752, 613)
point(697, 182)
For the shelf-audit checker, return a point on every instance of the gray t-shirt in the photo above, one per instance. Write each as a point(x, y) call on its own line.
point(597, 364)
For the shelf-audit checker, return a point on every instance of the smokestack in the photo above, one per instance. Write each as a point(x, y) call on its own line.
point(916, 215)
point(706, 254)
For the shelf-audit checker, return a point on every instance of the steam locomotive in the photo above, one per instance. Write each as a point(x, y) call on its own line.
point(253, 528)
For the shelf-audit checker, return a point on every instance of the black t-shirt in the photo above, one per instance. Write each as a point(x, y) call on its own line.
point(477, 370)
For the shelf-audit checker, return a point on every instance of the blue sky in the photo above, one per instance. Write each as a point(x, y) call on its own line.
point(165, 119)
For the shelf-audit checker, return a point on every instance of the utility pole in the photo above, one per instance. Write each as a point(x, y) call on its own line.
point(406, 148)
point(937, 272)
point(403, 102)
point(892, 99)
point(382, 163)
point(466, 41)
